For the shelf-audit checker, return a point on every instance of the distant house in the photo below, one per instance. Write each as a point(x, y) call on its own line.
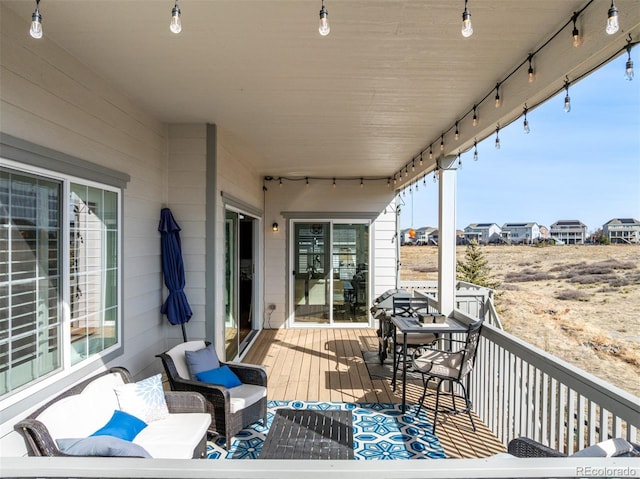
point(427, 235)
point(569, 231)
point(622, 230)
point(483, 233)
point(521, 232)
point(407, 236)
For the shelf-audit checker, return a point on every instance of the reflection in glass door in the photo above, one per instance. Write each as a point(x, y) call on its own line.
point(239, 285)
point(330, 273)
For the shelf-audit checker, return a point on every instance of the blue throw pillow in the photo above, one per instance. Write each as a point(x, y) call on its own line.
point(201, 360)
point(105, 446)
point(222, 376)
point(122, 425)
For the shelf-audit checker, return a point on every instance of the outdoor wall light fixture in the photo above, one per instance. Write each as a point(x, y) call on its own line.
point(323, 27)
point(176, 24)
point(567, 99)
point(628, 72)
point(467, 28)
point(275, 227)
point(612, 19)
point(36, 22)
point(575, 33)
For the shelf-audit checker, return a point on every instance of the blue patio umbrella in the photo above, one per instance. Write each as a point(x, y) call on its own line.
point(176, 306)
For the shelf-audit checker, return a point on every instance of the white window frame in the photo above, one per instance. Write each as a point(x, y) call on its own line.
point(66, 368)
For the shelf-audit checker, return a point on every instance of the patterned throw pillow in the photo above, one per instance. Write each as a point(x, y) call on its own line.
point(144, 399)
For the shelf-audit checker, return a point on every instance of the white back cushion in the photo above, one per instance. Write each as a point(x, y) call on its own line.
point(177, 354)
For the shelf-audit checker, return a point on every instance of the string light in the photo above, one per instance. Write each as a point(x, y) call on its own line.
point(424, 180)
point(306, 182)
point(406, 171)
point(475, 116)
point(459, 161)
point(628, 71)
point(475, 150)
point(176, 24)
point(442, 143)
point(334, 183)
point(467, 28)
point(457, 133)
point(612, 19)
point(498, 137)
point(280, 182)
point(361, 183)
point(413, 165)
point(497, 95)
point(530, 72)
point(431, 152)
point(323, 27)
point(575, 33)
point(567, 99)
point(527, 130)
point(36, 22)
point(421, 162)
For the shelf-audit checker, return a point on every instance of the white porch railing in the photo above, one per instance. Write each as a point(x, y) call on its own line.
point(520, 390)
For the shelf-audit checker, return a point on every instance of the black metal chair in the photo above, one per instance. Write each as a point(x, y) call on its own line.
point(451, 367)
point(231, 409)
point(409, 307)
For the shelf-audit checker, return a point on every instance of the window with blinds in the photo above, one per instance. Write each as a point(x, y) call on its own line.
point(34, 266)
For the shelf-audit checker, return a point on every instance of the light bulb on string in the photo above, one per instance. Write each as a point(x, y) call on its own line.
point(306, 182)
point(475, 150)
point(36, 22)
point(431, 152)
point(413, 165)
point(612, 19)
point(530, 72)
point(176, 24)
point(361, 182)
point(474, 122)
point(334, 183)
point(324, 27)
point(406, 171)
point(388, 183)
point(421, 161)
point(567, 99)
point(457, 132)
point(424, 180)
point(467, 28)
point(459, 161)
point(527, 130)
point(442, 143)
point(280, 182)
point(498, 137)
point(628, 71)
point(575, 33)
point(497, 99)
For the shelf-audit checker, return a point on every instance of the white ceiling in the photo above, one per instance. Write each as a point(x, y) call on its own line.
point(390, 79)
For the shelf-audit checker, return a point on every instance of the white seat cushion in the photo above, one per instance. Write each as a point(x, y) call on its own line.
point(174, 437)
point(177, 354)
point(440, 363)
point(245, 395)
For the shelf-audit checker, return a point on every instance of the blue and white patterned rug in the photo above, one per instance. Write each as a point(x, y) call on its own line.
point(380, 431)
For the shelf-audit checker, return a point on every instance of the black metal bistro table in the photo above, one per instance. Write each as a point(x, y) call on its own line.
point(413, 325)
point(309, 434)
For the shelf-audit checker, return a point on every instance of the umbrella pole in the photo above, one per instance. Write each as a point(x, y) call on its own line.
point(184, 333)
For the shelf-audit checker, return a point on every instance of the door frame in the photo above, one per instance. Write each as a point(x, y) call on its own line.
point(291, 248)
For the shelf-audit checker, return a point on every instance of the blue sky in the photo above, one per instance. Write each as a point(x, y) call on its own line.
point(582, 165)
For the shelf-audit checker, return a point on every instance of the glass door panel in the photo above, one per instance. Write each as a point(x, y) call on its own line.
point(231, 281)
point(350, 253)
point(311, 275)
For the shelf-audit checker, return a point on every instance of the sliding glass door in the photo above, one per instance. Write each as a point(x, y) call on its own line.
point(330, 272)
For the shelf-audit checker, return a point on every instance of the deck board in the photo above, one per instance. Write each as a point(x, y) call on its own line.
point(323, 364)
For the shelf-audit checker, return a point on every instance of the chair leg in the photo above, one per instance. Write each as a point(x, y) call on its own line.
point(468, 405)
point(424, 393)
point(435, 414)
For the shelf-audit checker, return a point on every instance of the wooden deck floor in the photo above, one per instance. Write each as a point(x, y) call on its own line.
point(327, 365)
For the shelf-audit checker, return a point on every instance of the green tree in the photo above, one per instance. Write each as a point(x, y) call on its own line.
point(475, 267)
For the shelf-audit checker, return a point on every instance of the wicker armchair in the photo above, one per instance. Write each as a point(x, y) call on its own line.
point(525, 447)
point(231, 409)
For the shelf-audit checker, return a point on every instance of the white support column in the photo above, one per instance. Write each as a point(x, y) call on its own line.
point(447, 235)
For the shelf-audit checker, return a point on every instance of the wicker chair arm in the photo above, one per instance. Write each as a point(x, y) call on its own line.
point(185, 402)
point(249, 373)
point(525, 447)
point(212, 392)
point(37, 437)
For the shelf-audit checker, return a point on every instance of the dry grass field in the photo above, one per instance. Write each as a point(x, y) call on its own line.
point(580, 303)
